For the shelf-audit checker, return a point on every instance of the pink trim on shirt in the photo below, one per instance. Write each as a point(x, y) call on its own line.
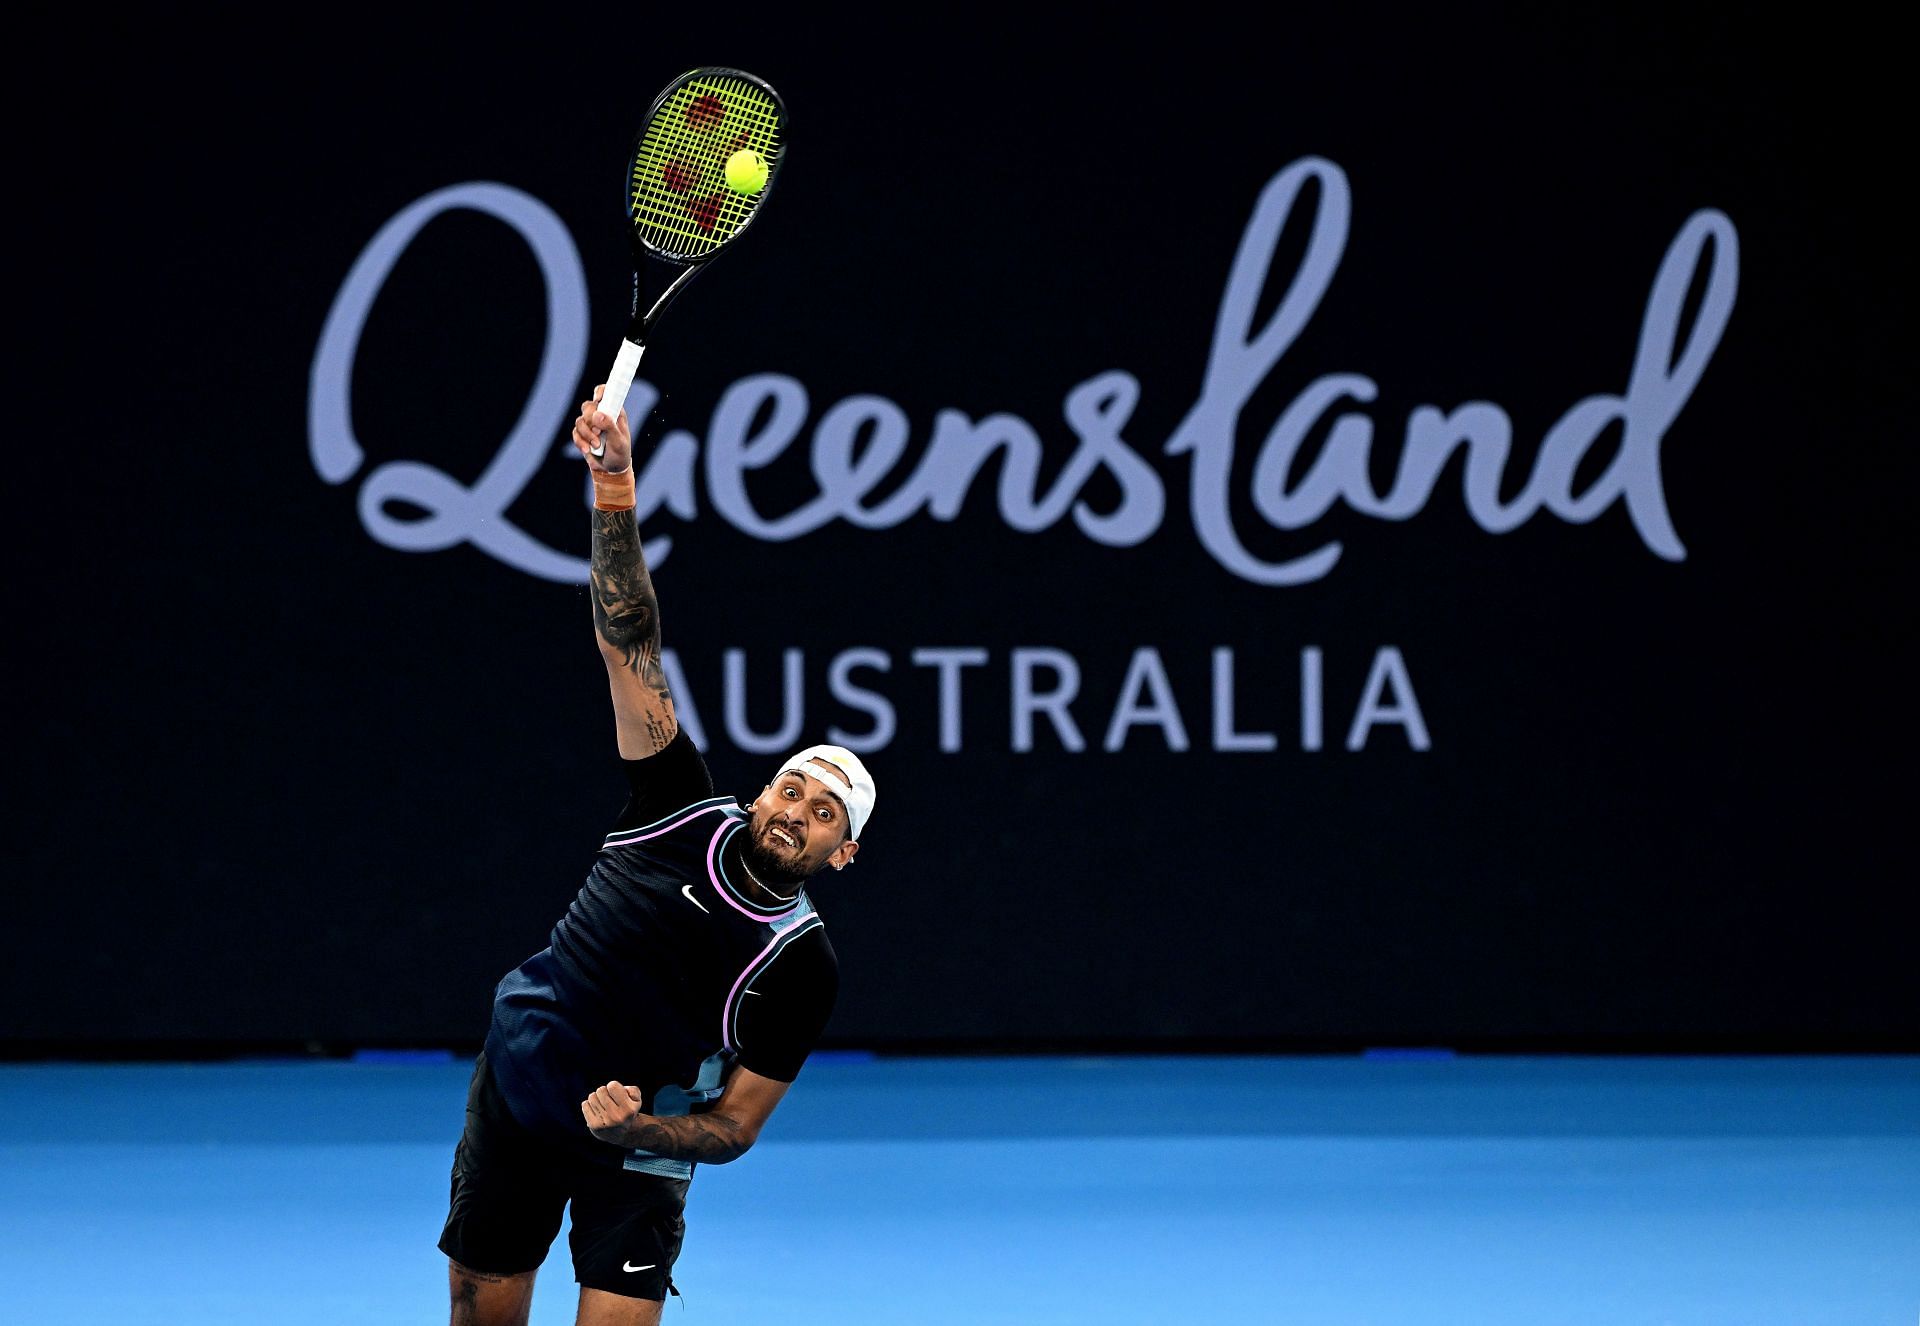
point(725, 1038)
point(641, 838)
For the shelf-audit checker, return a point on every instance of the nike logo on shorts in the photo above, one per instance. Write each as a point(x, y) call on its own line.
point(629, 1266)
point(688, 890)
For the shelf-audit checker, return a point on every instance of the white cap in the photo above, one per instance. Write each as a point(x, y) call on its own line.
point(848, 780)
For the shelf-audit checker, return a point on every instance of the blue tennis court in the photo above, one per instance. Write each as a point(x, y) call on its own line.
point(1318, 1190)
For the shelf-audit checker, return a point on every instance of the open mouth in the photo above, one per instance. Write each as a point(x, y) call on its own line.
point(782, 836)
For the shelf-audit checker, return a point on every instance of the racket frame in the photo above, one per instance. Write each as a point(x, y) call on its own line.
point(627, 362)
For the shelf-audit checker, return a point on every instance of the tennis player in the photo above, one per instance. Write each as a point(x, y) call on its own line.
point(675, 1001)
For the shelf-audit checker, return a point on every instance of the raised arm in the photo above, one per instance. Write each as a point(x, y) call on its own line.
point(626, 615)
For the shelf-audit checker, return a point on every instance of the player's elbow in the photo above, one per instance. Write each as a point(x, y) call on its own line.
point(634, 652)
point(615, 652)
point(741, 1135)
point(626, 631)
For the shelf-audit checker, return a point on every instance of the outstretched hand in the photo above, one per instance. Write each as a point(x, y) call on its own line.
point(610, 1109)
point(593, 428)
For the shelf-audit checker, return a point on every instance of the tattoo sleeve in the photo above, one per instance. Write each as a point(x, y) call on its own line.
point(711, 1139)
point(626, 615)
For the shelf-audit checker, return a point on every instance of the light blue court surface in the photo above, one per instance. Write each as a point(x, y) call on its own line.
point(1325, 1191)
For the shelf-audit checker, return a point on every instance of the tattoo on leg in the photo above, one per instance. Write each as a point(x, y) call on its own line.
point(469, 1287)
point(479, 1277)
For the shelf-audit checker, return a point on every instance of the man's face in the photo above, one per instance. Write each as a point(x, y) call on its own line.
point(797, 825)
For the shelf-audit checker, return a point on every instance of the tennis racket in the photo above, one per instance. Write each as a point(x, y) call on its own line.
point(681, 208)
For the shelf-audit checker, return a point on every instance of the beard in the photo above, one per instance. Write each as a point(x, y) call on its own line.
point(768, 866)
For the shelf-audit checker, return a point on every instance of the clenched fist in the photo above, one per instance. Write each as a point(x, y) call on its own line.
point(610, 1110)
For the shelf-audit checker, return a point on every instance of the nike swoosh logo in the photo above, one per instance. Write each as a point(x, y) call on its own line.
point(629, 1266)
point(688, 890)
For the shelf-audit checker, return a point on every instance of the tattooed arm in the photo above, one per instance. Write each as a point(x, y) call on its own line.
point(613, 1115)
point(626, 615)
point(626, 618)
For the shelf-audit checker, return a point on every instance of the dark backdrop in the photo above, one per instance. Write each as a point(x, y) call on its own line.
point(289, 782)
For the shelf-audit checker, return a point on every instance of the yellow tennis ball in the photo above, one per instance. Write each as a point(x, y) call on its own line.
point(746, 171)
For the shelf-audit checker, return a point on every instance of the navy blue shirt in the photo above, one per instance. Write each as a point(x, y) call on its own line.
point(666, 970)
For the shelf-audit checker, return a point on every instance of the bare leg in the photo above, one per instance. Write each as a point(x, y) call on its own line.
point(480, 1299)
point(599, 1308)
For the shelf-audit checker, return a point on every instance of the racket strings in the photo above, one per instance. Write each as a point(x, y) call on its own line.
point(678, 199)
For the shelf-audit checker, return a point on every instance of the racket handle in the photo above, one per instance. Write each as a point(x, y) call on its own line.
point(614, 399)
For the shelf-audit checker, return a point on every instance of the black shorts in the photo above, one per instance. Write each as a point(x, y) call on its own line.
point(510, 1187)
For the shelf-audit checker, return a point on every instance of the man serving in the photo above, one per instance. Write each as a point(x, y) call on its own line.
point(675, 1001)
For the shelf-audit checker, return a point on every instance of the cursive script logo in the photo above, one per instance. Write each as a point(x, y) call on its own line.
point(858, 441)
point(455, 513)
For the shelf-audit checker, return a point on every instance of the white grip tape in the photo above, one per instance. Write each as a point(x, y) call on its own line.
point(614, 399)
